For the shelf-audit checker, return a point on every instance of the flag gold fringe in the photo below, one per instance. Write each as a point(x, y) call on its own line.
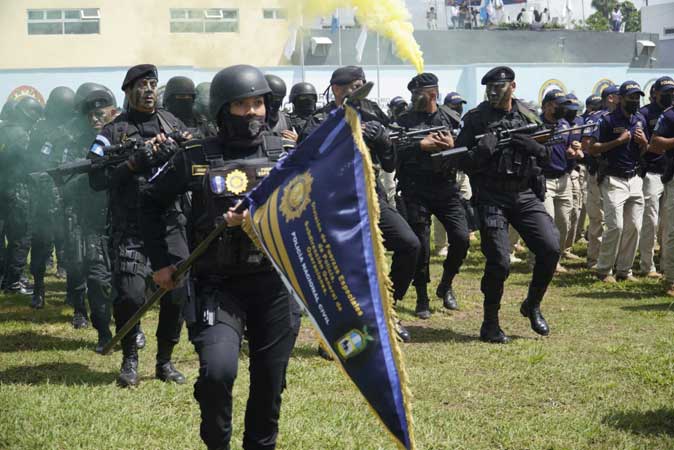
point(385, 288)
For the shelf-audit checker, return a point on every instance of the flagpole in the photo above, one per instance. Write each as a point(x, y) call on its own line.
point(378, 74)
point(339, 37)
point(302, 47)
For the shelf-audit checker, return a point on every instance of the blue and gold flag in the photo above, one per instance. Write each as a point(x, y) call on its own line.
point(316, 217)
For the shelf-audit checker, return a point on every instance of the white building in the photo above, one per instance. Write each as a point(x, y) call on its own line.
point(658, 18)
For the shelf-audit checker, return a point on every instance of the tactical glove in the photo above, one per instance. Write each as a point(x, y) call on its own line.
point(486, 146)
point(142, 159)
point(376, 136)
point(528, 146)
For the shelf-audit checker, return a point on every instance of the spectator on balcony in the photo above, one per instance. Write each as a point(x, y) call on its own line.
point(432, 18)
point(616, 18)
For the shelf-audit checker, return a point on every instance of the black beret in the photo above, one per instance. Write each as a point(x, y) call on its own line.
point(347, 75)
point(139, 71)
point(500, 73)
point(423, 80)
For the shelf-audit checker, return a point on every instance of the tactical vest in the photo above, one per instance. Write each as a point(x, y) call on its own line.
point(224, 184)
point(124, 206)
point(507, 162)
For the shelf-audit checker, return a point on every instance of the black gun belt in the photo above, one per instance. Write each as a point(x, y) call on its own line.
point(656, 168)
point(625, 174)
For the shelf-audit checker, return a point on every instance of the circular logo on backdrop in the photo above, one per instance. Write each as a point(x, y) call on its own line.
point(548, 86)
point(647, 89)
point(26, 91)
point(601, 85)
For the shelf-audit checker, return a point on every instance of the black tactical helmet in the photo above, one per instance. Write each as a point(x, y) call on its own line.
point(8, 109)
point(277, 86)
point(302, 88)
point(236, 83)
point(202, 99)
point(179, 86)
point(28, 110)
point(60, 104)
point(397, 102)
point(91, 96)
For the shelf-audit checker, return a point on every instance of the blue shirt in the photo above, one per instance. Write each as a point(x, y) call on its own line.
point(651, 112)
point(558, 163)
point(575, 136)
point(626, 156)
point(665, 126)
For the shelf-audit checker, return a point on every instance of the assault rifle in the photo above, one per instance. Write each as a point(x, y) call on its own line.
point(546, 136)
point(113, 156)
point(403, 136)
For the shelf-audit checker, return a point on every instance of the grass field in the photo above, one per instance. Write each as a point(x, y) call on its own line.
point(603, 379)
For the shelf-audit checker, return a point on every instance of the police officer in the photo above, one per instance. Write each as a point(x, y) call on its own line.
point(621, 139)
point(559, 195)
point(48, 140)
point(303, 97)
point(576, 175)
point(86, 213)
point(202, 110)
point(396, 108)
point(15, 138)
point(142, 123)
point(427, 190)
point(455, 102)
point(595, 208)
point(662, 141)
point(398, 236)
point(653, 168)
point(235, 285)
point(179, 97)
point(502, 179)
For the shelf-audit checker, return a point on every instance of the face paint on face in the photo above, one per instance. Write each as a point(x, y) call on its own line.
point(420, 101)
point(100, 117)
point(497, 92)
point(143, 95)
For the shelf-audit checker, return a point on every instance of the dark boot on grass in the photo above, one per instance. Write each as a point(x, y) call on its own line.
point(446, 293)
point(423, 309)
point(491, 331)
point(164, 370)
point(531, 309)
point(128, 375)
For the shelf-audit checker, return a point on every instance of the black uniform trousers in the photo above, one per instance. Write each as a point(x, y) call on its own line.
point(260, 303)
point(91, 278)
point(401, 240)
point(130, 282)
point(446, 205)
point(526, 213)
point(17, 232)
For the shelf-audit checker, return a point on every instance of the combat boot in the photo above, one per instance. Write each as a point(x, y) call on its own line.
point(402, 332)
point(104, 336)
point(491, 331)
point(530, 308)
point(37, 302)
point(446, 293)
point(423, 309)
point(128, 375)
point(164, 370)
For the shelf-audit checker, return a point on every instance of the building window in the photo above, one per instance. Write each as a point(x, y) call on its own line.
point(204, 20)
point(274, 14)
point(668, 31)
point(64, 21)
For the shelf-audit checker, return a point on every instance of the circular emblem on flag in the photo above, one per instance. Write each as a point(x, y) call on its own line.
point(296, 196)
point(549, 86)
point(26, 91)
point(601, 85)
point(236, 182)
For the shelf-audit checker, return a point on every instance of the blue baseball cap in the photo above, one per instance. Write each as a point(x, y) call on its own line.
point(663, 84)
point(573, 104)
point(454, 98)
point(556, 96)
point(608, 90)
point(630, 87)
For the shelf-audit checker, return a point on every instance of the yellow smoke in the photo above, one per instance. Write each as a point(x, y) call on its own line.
point(389, 18)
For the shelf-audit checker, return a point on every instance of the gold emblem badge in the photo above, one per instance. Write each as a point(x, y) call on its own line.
point(236, 182)
point(296, 196)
